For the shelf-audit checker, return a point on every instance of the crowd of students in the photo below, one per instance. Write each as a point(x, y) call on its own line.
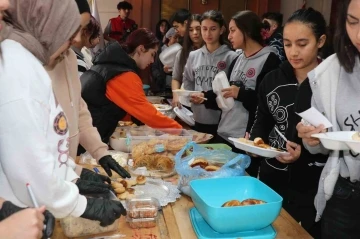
point(56, 102)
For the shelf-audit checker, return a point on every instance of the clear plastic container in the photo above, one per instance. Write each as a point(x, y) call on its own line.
point(141, 222)
point(142, 208)
point(78, 227)
point(155, 149)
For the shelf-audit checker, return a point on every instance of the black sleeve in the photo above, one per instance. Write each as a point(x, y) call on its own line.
point(157, 73)
point(231, 67)
point(210, 103)
point(264, 122)
point(249, 97)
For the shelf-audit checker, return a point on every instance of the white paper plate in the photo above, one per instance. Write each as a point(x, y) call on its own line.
point(267, 153)
point(162, 107)
point(221, 82)
point(185, 115)
point(185, 92)
point(167, 56)
point(341, 140)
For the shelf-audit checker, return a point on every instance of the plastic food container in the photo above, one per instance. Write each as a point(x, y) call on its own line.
point(210, 194)
point(142, 207)
point(78, 227)
point(141, 222)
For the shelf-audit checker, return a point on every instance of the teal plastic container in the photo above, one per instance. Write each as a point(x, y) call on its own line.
point(146, 89)
point(209, 194)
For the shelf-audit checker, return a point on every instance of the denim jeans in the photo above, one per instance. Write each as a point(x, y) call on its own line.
point(341, 217)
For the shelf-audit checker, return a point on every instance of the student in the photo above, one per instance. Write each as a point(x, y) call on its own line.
point(112, 87)
point(294, 176)
point(119, 28)
point(161, 29)
point(11, 216)
point(34, 140)
point(202, 66)
point(275, 38)
point(90, 37)
point(245, 75)
point(179, 21)
point(67, 89)
point(335, 86)
point(192, 41)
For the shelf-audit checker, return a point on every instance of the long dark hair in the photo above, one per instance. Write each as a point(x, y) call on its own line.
point(312, 18)
point(217, 17)
point(92, 29)
point(187, 46)
point(343, 47)
point(250, 25)
point(141, 36)
point(158, 33)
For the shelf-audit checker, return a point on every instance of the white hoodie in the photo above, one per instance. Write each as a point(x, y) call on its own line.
point(34, 137)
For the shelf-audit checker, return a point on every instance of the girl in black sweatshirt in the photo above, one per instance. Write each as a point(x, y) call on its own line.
point(294, 176)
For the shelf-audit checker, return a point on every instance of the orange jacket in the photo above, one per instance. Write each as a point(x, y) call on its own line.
point(126, 91)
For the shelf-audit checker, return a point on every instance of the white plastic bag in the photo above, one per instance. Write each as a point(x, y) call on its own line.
point(221, 82)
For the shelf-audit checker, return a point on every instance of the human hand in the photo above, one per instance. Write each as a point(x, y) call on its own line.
point(294, 152)
point(176, 101)
point(167, 69)
point(27, 223)
point(108, 163)
point(232, 91)
point(197, 98)
point(90, 187)
point(103, 210)
point(89, 175)
point(305, 132)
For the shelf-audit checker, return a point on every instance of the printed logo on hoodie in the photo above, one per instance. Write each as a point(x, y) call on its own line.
point(205, 74)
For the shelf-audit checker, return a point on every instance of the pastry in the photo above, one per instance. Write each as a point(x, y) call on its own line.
point(164, 163)
point(130, 190)
point(130, 196)
point(123, 195)
point(141, 179)
point(212, 168)
point(231, 203)
point(120, 190)
point(202, 162)
point(116, 185)
point(125, 183)
point(251, 201)
point(176, 144)
point(131, 182)
point(356, 136)
point(258, 141)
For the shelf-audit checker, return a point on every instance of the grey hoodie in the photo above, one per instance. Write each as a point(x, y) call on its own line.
point(200, 70)
point(245, 74)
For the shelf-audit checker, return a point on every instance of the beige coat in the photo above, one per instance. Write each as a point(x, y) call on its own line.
point(67, 89)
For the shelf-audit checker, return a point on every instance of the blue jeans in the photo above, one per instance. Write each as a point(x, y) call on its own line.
point(341, 217)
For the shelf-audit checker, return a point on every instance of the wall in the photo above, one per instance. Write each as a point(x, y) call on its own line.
point(145, 12)
point(290, 6)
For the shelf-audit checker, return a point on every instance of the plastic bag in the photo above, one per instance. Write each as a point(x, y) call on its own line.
point(233, 164)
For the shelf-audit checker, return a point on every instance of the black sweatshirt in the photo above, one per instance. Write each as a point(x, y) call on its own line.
point(276, 108)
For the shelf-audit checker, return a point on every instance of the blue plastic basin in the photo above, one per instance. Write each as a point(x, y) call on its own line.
point(209, 194)
point(146, 89)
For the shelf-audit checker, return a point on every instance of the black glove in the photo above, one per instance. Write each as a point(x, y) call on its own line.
point(107, 162)
point(50, 224)
point(89, 175)
point(89, 187)
point(9, 208)
point(103, 210)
